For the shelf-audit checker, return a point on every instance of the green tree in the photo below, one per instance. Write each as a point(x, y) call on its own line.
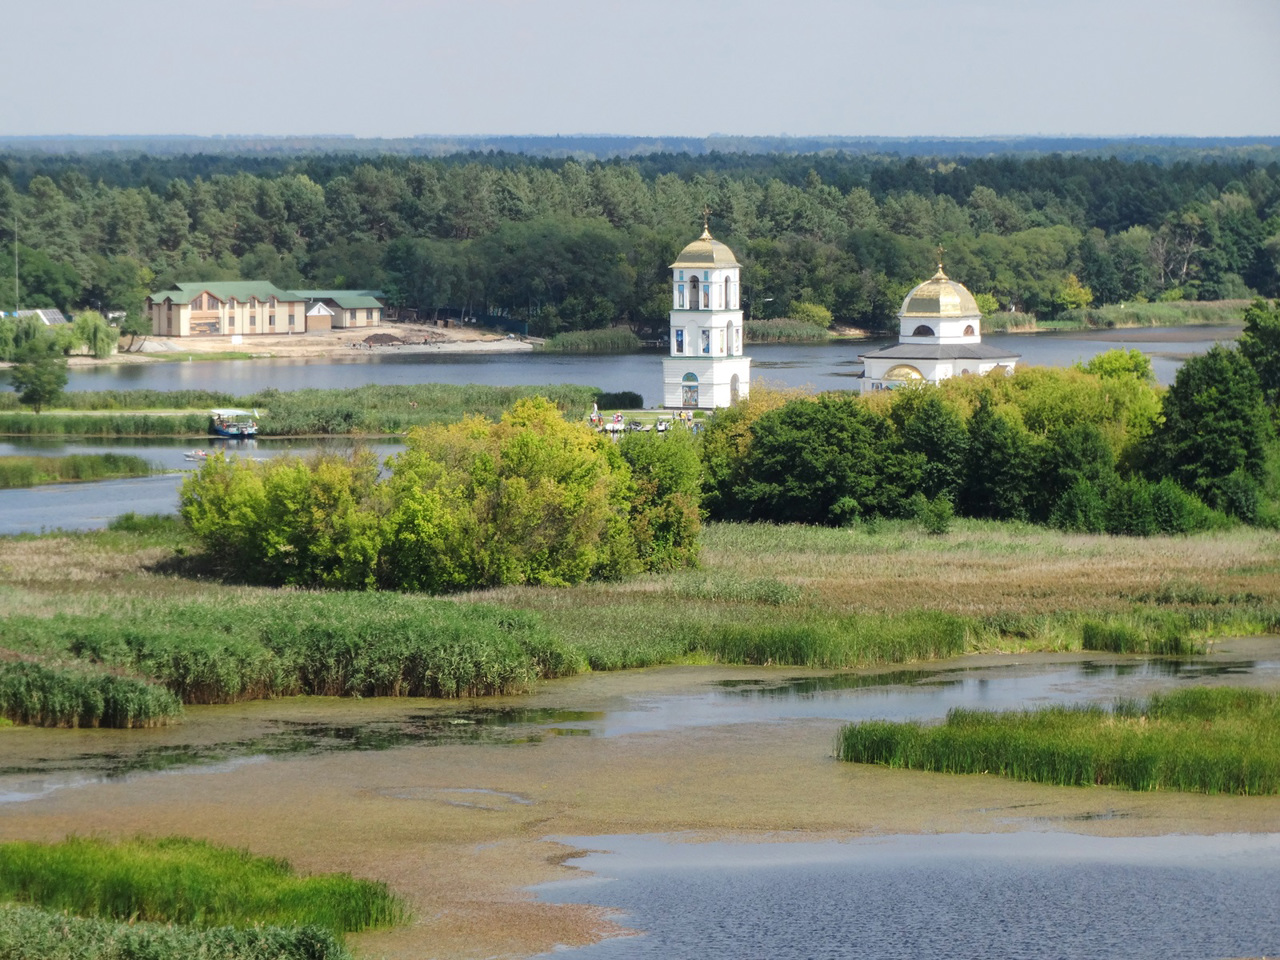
point(1260, 344)
point(1215, 426)
point(1000, 473)
point(40, 373)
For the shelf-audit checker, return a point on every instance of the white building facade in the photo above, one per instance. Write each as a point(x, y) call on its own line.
point(706, 368)
point(939, 336)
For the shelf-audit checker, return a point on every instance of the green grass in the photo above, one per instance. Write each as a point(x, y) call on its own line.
point(36, 695)
point(783, 330)
point(185, 881)
point(1205, 740)
point(254, 645)
point(609, 340)
point(30, 471)
point(29, 933)
point(370, 410)
point(1174, 314)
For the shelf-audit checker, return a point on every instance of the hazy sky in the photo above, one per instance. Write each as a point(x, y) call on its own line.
point(642, 67)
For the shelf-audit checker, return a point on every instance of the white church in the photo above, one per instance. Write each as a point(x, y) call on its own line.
point(939, 336)
point(706, 368)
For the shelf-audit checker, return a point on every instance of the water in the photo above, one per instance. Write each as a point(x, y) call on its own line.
point(828, 366)
point(217, 736)
point(91, 506)
point(1029, 894)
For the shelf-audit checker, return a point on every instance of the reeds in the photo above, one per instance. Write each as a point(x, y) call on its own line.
point(31, 471)
point(608, 340)
point(53, 424)
point(784, 330)
point(1206, 740)
point(333, 644)
point(41, 696)
point(29, 933)
point(185, 881)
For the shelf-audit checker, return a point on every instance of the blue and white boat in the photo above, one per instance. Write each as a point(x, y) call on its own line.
point(234, 423)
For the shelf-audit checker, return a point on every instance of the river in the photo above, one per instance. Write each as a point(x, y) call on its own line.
point(826, 366)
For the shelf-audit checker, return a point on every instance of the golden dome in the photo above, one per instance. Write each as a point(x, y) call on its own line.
point(705, 252)
point(940, 296)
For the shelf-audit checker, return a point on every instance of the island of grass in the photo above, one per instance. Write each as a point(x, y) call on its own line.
point(19, 471)
point(176, 898)
point(1204, 740)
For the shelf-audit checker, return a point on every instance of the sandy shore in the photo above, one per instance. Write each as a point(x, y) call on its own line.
point(463, 830)
point(417, 338)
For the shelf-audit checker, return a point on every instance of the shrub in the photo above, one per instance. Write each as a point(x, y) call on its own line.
point(1080, 510)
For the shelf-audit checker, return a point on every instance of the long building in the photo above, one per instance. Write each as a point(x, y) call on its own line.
point(256, 308)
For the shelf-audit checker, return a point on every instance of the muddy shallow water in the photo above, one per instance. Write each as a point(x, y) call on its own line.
point(456, 803)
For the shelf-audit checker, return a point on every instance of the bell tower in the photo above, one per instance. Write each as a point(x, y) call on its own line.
point(705, 368)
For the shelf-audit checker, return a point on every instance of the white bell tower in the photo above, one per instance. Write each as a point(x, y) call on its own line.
point(706, 368)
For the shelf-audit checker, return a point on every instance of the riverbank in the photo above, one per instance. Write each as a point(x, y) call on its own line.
point(415, 338)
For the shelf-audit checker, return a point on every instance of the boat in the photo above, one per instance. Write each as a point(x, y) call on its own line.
point(235, 423)
point(196, 456)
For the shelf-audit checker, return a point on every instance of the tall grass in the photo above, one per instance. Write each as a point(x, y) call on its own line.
point(268, 645)
point(180, 880)
point(370, 409)
point(84, 400)
point(784, 330)
point(28, 933)
point(608, 340)
point(1206, 740)
point(1172, 314)
point(40, 696)
point(31, 471)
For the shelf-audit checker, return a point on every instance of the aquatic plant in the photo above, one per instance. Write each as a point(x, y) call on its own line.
point(187, 881)
point(42, 696)
point(1207, 740)
point(29, 471)
point(29, 933)
point(608, 340)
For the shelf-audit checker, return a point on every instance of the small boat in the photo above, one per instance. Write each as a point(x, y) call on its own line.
point(196, 456)
point(234, 423)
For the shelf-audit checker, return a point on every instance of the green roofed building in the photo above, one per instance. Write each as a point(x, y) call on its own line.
point(256, 308)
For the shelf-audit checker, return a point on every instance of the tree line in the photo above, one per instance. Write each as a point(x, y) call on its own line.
point(571, 245)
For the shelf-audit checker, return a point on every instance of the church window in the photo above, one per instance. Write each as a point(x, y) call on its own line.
point(706, 342)
point(680, 301)
point(726, 293)
point(922, 331)
point(693, 289)
point(706, 296)
point(737, 339)
point(689, 390)
point(969, 331)
point(720, 343)
point(680, 340)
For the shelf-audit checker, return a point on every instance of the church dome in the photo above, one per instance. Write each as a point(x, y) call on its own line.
point(939, 297)
point(706, 252)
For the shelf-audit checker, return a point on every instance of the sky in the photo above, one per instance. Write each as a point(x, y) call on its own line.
point(396, 68)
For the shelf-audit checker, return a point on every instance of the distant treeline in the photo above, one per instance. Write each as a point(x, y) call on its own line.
point(570, 245)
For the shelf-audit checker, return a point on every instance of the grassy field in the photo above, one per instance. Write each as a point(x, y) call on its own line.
point(135, 601)
point(31, 471)
point(1206, 740)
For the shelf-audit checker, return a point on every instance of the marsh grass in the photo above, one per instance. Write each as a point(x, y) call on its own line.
point(36, 695)
point(784, 330)
point(373, 409)
point(29, 933)
point(186, 881)
point(1206, 740)
point(608, 340)
point(30, 471)
point(263, 644)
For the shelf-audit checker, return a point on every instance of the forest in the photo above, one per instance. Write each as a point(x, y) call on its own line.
point(575, 245)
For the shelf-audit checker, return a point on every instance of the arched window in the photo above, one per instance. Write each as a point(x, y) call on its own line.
point(903, 371)
point(734, 387)
point(689, 390)
point(693, 291)
point(922, 331)
point(969, 331)
point(680, 301)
